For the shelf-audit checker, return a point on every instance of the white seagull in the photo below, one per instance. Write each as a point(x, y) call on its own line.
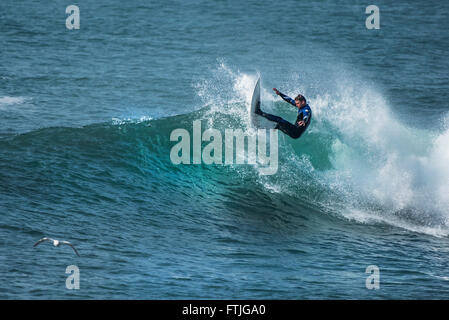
point(57, 243)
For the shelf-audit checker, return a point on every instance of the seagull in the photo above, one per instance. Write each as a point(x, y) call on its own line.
point(57, 243)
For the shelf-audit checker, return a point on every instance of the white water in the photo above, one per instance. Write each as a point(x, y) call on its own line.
point(383, 170)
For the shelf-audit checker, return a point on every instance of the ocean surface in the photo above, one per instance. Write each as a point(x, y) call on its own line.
point(85, 122)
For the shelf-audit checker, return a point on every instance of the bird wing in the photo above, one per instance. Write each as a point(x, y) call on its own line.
point(41, 240)
point(71, 245)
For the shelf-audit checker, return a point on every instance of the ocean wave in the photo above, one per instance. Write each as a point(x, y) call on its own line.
point(356, 161)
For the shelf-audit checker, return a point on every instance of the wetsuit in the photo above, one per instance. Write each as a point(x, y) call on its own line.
point(293, 130)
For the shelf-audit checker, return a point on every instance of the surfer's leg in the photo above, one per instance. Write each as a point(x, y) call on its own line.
point(286, 127)
point(271, 117)
point(289, 129)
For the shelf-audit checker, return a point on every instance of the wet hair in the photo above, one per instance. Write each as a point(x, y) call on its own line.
point(300, 97)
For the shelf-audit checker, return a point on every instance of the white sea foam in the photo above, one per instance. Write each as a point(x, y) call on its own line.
point(8, 101)
point(118, 121)
point(383, 169)
point(400, 169)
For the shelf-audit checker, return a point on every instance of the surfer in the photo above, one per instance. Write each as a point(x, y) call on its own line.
point(302, 120)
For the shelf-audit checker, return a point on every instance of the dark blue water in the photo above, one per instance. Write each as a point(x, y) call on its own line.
point(85, 150)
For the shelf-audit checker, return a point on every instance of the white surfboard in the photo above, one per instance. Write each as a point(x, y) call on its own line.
point(254, 102)
point(256, 120)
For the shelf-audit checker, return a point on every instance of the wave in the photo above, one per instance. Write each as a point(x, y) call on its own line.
point(356, 161)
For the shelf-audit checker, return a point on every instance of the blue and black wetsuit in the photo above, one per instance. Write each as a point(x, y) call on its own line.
point(293, 130)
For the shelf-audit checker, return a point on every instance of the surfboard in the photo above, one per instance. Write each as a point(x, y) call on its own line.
point(256, 120)
point(255, 101)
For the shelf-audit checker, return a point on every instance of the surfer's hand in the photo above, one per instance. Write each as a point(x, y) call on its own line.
point(276, 90)
point(301, 123)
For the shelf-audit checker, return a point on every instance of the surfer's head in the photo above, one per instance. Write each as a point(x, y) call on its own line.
point(300, 101)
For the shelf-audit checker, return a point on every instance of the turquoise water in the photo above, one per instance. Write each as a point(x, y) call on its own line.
point(85, 150)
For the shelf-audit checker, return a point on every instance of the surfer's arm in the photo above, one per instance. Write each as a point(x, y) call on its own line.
point(287, 99)
point(304, 117)
point(284, 97)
